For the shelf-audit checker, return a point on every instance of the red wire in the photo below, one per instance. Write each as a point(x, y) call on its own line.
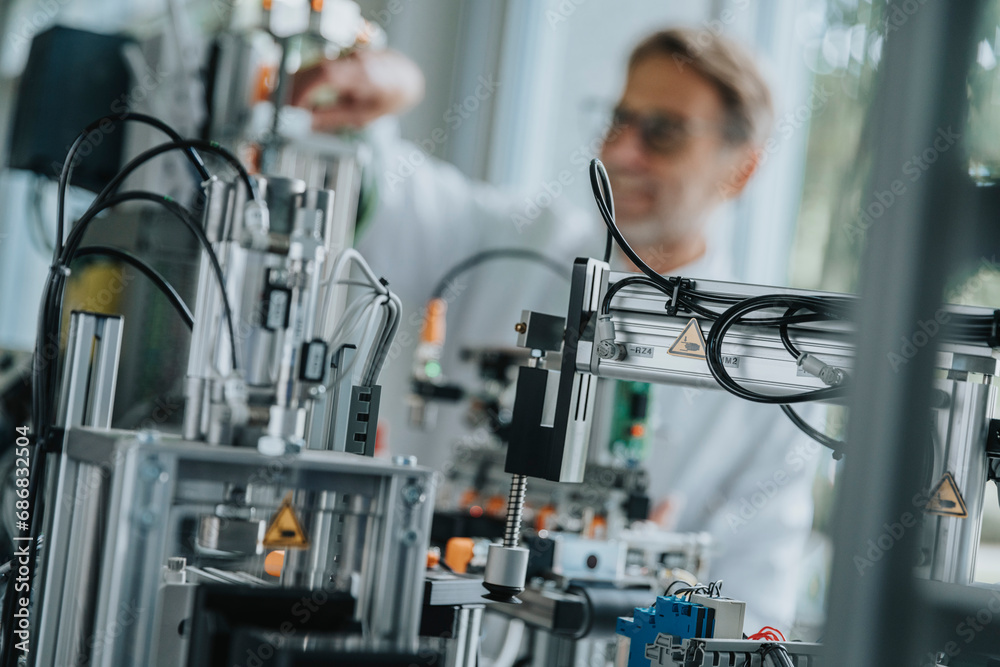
point(768, 633)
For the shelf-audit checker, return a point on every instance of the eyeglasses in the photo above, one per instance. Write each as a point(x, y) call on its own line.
point(660, 133)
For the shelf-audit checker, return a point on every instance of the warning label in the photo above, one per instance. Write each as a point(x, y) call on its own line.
point(946, 499)
point(691, 342)
point(285, 529)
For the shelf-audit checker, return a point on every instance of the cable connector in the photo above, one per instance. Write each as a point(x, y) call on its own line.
point(830, 375)
point(257, 224)
point(607, 348)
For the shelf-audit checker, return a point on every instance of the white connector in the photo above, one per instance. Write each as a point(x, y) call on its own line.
point(830, 375)
point(607, 348)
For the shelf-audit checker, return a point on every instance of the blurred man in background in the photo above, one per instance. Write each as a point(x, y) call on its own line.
point(685, 137)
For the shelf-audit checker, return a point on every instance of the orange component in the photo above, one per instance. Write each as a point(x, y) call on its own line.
point(458, 553)
point(433, 557)
point(264, 85)
point(544, 517)
point(475, 511)
point(317, 5)
point(434, 322)
point(250, 154)
point(496, 505)
point(266, 5)
point(381, 439)
point(637, 430)
point(274, 562)
point(598, 527)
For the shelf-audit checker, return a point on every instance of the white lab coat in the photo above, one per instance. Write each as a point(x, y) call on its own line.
point(736, 469)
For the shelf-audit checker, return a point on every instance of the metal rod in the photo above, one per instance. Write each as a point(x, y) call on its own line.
point(515, 510)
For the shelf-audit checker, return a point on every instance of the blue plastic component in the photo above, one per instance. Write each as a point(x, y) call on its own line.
point(669, 615)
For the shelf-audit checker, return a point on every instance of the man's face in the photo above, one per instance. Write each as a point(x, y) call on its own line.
point(663, 194)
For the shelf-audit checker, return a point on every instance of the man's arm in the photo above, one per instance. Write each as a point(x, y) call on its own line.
point(427, 216)
point(355, 90)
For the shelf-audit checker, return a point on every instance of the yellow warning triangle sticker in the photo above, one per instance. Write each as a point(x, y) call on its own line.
point(691, 342)
point(946, 499)
point(285, 529)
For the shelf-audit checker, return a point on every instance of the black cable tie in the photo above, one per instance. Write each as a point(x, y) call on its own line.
point(994, 338)
point(385, 283)
point(672, 305)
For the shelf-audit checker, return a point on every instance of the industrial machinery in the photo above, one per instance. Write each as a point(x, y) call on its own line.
point(785, 348)
point(260, 529)
point(698, 626)
point(593, 555)
point(265, 530)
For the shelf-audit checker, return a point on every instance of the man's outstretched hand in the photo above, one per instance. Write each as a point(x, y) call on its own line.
point(352, 91)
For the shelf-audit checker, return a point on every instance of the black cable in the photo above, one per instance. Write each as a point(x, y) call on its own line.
point(68, 164)
point(602, 194)
point(671, 585)
point(207, 146)
point(736, 314)
point(154, 276)
point(776, 654)
point(625, 282)
point(44, 370)
point(836, 445)
point(786, 340)
point(700, 588)
point(76, 236)
point(497, 253)
point(609, 203)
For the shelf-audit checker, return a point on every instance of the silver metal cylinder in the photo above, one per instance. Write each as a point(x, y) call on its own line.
point(194, 390)
point(506, 566)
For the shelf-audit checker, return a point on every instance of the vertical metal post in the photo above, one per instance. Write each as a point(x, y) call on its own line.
point(962, 455)
point(874, 609)
point(73, 529)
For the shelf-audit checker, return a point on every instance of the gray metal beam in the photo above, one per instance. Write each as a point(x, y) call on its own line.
point(874, 612)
